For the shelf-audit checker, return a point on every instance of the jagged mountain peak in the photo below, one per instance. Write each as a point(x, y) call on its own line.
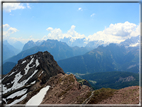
point(31, 44)
point(33, 70)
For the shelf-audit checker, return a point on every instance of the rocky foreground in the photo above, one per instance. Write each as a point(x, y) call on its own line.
point(37, 79)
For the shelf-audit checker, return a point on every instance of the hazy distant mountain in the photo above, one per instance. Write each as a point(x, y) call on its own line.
point(94, 44)
point(102, 59)
point(131, 41)
point(59, 50)
point(8, 50)
point(18, 45)
point(31, 44)
point(77, 42)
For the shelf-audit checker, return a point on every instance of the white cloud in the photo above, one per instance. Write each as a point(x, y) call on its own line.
point(73, 34)
point(72, 27)
point(54, 33)
point(92, 14)
point(49, 29)
point(28, 6)
point(57, 34)
point(7, 30)
point(80, 9)
point(8, 7)
point(136, 31)
point(107, 38)
point(12, 30)
point(6, 26)
point(116, 33)
point(121, 29)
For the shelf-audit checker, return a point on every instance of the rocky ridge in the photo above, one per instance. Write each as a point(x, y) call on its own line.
point(38, 72)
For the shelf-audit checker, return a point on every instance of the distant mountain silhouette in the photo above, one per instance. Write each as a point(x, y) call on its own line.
point(8, 50)
point(18, 45)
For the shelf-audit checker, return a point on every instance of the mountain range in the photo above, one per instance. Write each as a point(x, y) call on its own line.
point(95, 43)
point(77, 42)
point(133, 41)
point(103, 59)
point(31, 44)
point(16, 44)
point(8, 50)
point(59, 50)
point(81, 60)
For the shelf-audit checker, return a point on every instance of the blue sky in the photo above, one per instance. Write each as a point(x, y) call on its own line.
point(88, 21)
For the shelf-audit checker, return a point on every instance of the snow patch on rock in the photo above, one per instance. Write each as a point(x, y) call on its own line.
point(41, 73)
point(33, 82)
point(27, 67)
point(37, 63)
point(18, 100)
point(17, 85)
point(23, 61)
point(37, 99)
point(18, 93)
point(11, 74)
point(31, 56)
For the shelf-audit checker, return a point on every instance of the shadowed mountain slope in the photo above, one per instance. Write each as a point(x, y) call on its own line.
point(102, 59)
